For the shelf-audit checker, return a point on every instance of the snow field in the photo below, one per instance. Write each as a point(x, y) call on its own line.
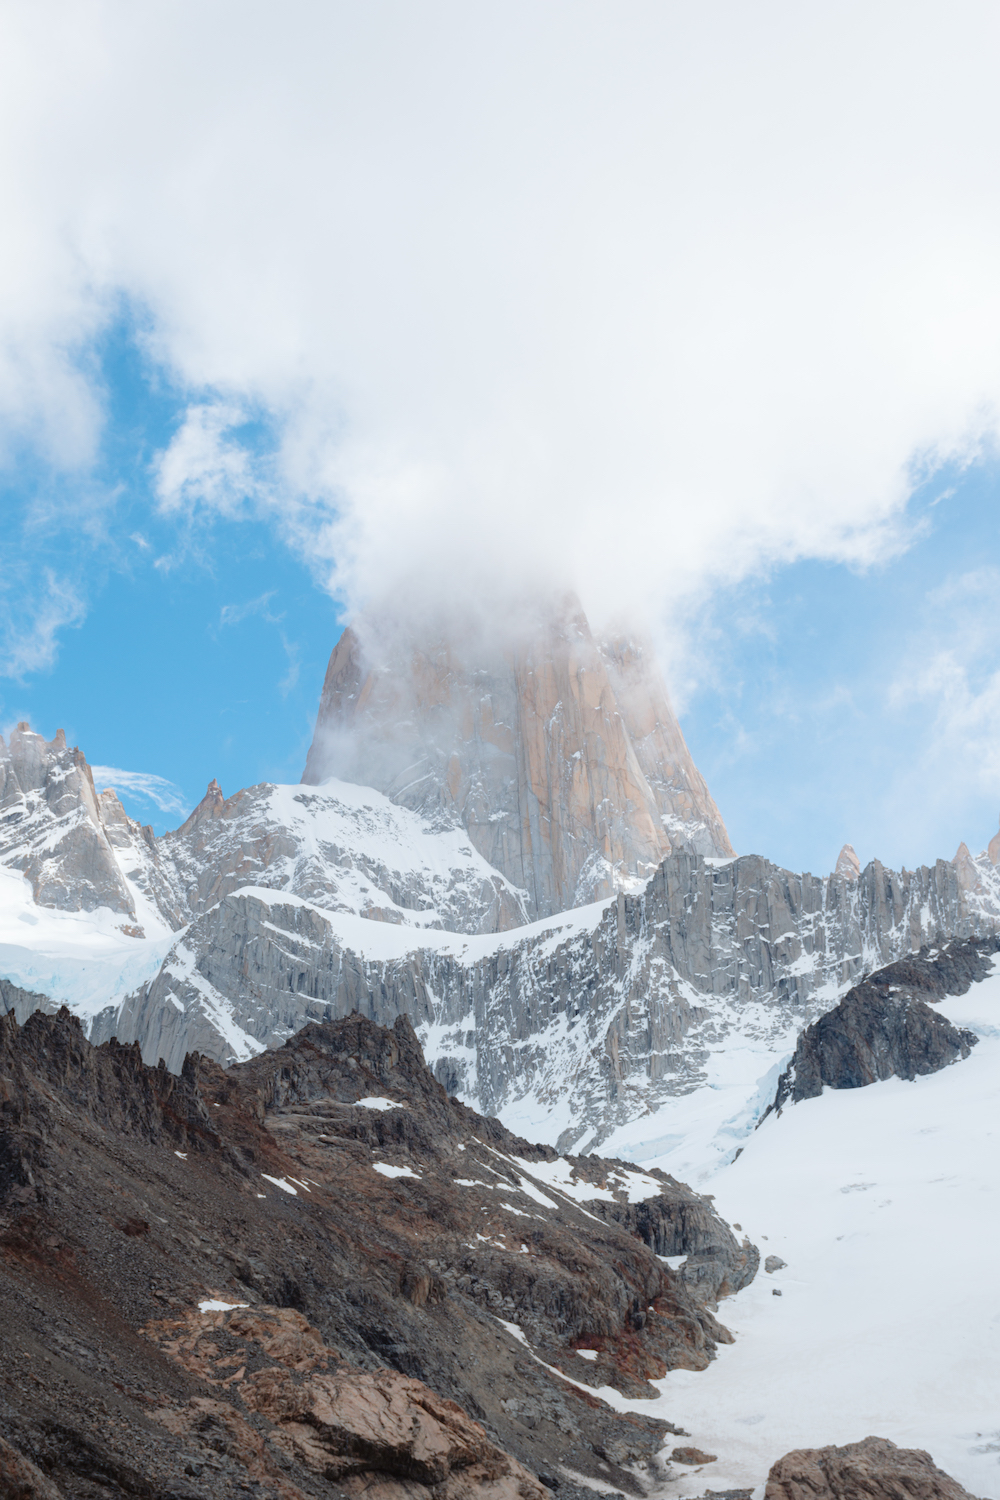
point(884, 1203)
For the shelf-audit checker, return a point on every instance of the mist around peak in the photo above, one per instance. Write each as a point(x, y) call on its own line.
point(559, 754)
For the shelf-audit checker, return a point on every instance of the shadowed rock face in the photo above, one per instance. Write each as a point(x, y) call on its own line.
point(381, 1250)
point(884, 1028)
point(560, 756)
point(874, 1469)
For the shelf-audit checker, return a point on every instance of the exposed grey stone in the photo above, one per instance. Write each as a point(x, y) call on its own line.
point(51, 828)
point(884, 1028)
point(616, 1017)
point(22, 1003)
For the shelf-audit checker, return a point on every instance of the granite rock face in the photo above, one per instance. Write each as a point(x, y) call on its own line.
point(848, 863)
point(21, 1003)
point(874, 1469)
point(53, 826)
point(345, 847)
point(600, 1014)
point(884, 1028)
point(559, 755)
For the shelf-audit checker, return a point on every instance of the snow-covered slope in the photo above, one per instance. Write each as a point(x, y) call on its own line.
point(346, 848)
point(884, 1203)
point(78, 958)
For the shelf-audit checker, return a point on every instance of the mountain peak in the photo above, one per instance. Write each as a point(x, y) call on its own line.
point(210, 806)
point(848, 864)
point(560, 755)
point(993, 848)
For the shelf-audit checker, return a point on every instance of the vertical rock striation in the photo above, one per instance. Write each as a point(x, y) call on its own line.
point(594, 1020)
point(559, 755)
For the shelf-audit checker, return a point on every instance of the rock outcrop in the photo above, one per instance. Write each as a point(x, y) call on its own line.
point(993, 849)
point(317, 1264)
point(53, 825)
point(884, 1028)
point(345, 847)
point(848, 865)
point(560, 756)
point(874, 1469)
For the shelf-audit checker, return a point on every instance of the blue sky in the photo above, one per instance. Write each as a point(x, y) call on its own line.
point(197, 648)
point(383, 307)
point(192, 649)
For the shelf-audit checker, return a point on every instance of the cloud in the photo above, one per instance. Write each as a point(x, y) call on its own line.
point(235, 614)
point(640, 299)
point(203, 469)
point(144, 786)
point(33, 611)
point(951, 678)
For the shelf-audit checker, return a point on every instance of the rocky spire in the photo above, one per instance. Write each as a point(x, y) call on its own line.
point(52, 828)
point(210, 806)
point(993, 849)
point(848, 864)
point(969, 876)
point(561, 756)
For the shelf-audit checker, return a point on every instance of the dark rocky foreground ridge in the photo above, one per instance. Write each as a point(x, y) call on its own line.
point(884, 1026)
point(378, 1351)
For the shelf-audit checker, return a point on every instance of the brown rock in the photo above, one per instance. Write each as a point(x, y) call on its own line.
point(386, 1424)
point(874, 1469)
point(993, 848)
point(692, 1456)
point(560, 756)
point(129, 1196)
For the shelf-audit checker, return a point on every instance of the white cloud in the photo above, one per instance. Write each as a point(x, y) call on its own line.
point(205, 469)
point(951, 677)
point(32, 615)
point(144, 786)
point(235, 614)
point(641, 298)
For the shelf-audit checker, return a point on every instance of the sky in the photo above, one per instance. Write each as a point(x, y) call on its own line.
point(692, 309)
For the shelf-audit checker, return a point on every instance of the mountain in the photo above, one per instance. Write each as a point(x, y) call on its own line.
point(559, 755)
point(56, 830)
point(283, 905)
point(366, 1029)
point(315, 1273)
point(572, 1027)
point(874, 1206)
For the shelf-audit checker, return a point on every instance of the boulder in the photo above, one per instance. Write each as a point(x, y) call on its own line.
point(873, 1469)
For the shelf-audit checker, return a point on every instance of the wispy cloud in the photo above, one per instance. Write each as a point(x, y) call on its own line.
point(291, 677)
point(144, 786)
point(33, 611)
point(951, 675)
point(234, 614)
